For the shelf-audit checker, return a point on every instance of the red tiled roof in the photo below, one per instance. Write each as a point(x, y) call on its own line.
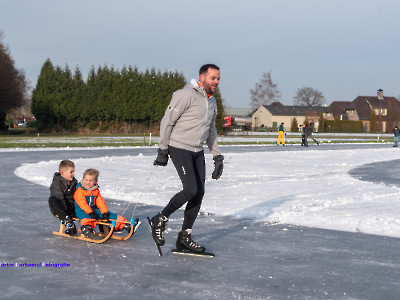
point(339, 108)
point(364, 104)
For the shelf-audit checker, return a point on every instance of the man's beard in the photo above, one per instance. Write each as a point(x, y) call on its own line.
point(209, 90)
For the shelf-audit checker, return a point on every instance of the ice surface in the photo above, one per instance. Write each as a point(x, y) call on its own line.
point(256, 258)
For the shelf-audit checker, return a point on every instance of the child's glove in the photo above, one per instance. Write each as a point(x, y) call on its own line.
point(219, 166)
point(162, 157)
point(105, 216)
point(92, 215)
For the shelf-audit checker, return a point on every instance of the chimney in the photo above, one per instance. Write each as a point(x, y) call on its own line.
point(380, 94)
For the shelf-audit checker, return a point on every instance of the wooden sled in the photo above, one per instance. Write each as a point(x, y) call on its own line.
point(108, 231)
point(120, 235)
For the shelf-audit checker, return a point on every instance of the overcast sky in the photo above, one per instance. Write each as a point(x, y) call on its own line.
point(344, 48)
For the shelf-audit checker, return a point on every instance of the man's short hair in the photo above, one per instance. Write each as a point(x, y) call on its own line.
point(64, 164)
point(205, 68)
point(92, 172)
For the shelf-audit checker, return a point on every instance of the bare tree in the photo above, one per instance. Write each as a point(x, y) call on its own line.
point(307, 96)
point(265, 92)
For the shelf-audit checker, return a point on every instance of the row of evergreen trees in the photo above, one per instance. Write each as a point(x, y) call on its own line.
point(111, 97)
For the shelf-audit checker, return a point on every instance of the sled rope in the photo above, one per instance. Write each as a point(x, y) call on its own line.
point(139, 194)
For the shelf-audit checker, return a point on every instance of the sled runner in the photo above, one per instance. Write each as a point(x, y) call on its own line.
point(107, 231)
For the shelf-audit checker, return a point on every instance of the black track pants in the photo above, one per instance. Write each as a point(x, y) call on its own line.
point(192, 171)
point(58, 209)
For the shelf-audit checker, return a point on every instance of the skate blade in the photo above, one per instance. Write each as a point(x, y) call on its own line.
point(190, 253)
point(157, 245)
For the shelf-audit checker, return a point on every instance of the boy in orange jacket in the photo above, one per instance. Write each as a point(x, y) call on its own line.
point(90, 205)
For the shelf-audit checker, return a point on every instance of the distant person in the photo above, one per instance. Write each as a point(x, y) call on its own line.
point(90, 206)
point(62, 189)
point(281, 134)
point(304, 136)
point(308, 132)
point(188, 122)
point(396, 134)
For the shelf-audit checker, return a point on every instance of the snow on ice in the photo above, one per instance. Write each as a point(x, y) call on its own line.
point(309, 188)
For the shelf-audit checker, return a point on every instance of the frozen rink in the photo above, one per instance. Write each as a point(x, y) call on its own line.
point(284, 223)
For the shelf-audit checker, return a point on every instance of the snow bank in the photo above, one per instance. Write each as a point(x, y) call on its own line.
point(310, 188)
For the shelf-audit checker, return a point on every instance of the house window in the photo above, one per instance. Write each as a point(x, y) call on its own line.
point(350, 113)
point(376, 111)
point(384, 111)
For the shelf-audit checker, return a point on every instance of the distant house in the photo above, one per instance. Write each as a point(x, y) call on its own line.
point(343, 110)
point(385, 109)
point(270, 116)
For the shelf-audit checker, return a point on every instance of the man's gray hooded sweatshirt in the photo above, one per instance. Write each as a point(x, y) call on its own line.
point(189, 120)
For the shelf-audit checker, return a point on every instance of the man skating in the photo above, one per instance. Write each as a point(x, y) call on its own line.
point(309, 131)
point(188, 122)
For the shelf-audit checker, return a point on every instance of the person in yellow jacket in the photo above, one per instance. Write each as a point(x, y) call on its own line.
point(281, 134)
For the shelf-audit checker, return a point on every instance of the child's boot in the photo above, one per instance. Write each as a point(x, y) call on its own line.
point(88, 231)
point(127, 227)
point(69, 226)
point(135, 225)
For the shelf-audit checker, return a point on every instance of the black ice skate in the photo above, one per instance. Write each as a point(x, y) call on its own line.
point(157, 224)
point(185, 242)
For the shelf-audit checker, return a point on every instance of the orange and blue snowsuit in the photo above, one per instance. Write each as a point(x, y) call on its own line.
point(89, 200)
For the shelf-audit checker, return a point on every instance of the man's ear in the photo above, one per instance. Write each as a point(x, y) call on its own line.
point(201, 78)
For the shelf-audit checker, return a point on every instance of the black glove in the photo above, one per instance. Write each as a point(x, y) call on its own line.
point(105, 216)
point(92, 215)
point(162, 158)
point(219, 166)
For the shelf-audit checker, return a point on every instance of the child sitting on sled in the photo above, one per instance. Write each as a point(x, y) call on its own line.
point(90, 205)
point(62, 189)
